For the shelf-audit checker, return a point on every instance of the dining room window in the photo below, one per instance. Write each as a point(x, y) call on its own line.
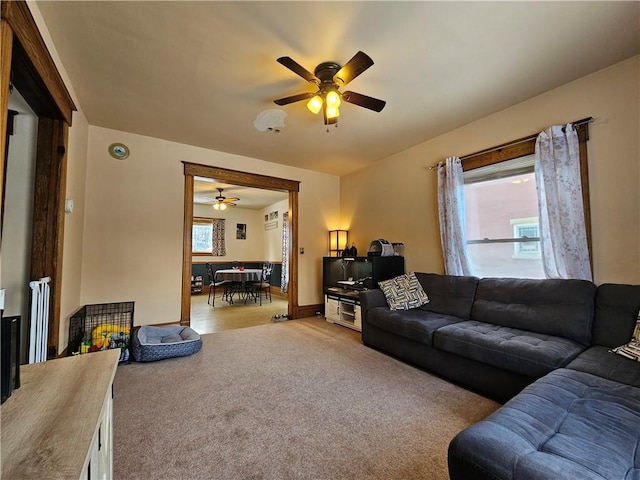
point(207, 237)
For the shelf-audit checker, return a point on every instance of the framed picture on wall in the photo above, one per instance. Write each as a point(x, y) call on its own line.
point(241, 231)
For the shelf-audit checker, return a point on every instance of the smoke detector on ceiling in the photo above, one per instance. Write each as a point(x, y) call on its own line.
point(271, 120)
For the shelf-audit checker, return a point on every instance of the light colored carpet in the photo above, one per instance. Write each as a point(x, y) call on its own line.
point(301, 399)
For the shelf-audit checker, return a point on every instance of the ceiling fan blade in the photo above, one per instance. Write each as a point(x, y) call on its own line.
point(354, 67)
point(293, 98)
point(364, 101)
point(231, 199)
point(298, 69)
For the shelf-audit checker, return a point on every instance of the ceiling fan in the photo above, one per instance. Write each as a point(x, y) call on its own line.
point(329, 77)
point(222, 202)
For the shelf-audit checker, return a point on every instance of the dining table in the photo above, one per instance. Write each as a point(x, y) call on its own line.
point(238, 278)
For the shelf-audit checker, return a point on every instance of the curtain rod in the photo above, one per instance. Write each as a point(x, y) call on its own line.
point(511, 144)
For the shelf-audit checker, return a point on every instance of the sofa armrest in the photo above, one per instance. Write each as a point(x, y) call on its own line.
point(370, 299)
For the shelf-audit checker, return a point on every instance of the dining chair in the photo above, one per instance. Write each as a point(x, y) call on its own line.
point(263, 286)
point(213, 284)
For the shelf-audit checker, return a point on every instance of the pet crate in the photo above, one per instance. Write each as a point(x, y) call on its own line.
point(101, 327)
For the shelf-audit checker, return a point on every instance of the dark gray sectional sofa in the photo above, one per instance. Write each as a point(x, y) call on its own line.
point(573, 409)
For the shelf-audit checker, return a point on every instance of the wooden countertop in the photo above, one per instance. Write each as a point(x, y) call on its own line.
point(48, 424)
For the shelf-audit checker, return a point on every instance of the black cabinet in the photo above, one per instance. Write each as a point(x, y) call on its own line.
point(348, 276)
point(344, 278)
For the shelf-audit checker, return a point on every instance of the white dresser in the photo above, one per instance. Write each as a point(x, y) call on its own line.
point(58, 424)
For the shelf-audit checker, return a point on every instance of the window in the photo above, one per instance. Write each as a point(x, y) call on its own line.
point(528, 228)
point(202, 236)
point(207, 236)
point(502, 220)
point(495, 243)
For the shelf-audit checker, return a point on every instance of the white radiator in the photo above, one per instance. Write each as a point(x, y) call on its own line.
point(39, 320)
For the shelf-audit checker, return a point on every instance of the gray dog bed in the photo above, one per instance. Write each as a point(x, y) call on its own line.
point(157, 343)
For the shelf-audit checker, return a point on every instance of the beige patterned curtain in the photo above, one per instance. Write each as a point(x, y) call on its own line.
point(217, 240)
point(453, 235)
point(563, 233)
point(284, 276)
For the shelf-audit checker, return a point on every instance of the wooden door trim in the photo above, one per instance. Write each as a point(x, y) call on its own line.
point(185, 305)
point(25, 56)
point(6, 42)
point(26, 32)
point(48, 220)
point(245, 179)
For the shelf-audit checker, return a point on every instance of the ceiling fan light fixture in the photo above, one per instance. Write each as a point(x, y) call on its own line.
point(219, 206)
point(332, 112)
point(315, 104)
point(329, 77)
point(333, 99)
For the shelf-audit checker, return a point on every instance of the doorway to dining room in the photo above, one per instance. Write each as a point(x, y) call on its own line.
point(258, 224)
point(230, 247)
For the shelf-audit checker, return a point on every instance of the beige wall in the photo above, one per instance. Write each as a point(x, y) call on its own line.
point(260, 244)
point(73, 224)
point(132, 246)
point(272, 245)
point(18, 209)
point(237, 250)
point(396, 198)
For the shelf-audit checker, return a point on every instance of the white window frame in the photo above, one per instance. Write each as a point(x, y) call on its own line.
point(518, 251)
point(199, 222)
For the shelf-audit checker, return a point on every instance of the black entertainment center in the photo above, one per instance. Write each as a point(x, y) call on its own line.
point(343, 279)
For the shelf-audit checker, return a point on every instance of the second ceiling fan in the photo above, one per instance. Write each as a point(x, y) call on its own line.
point(329, 77)
point(222, 202)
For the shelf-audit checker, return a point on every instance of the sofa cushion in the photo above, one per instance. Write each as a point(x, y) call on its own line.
point(448, 294)
point(616, 311)
point(566, 425)
point(519, 351)
point(412, 324)
point(562, 308)
point(602, 362)
point(403, 292)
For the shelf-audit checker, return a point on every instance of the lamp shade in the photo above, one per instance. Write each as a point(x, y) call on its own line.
point(333, 112)
point(338, 239)
point(333, 99)
point(315, 104)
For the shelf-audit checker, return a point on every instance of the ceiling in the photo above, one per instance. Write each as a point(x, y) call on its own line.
point(205, 191)
point(200, 72)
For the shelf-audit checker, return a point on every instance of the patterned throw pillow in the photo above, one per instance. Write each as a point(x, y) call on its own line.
point(404, 292)
point(632, 349)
